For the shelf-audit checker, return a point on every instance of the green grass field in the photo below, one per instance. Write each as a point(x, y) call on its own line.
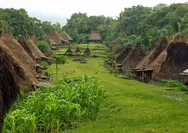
point(131, 106)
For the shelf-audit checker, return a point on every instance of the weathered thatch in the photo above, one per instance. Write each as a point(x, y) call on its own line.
point(95, 37)
point(22, 57)
point(52, 42)
point(69, 52)
point(176, 60)
point(31, 48)
point(87, 51)
point(123, 54)
point(153, 54)
point(157, 63)
point(133, 58)
point(65, 36)
point(9, 88)
point(27, 48)
point(70, 38)
point(172, 60)
point(54, 35)
point(77, 51)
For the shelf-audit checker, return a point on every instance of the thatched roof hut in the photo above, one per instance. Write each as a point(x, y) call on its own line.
point(133, 57)
point(51, 42)
point(31, 48)
point(10, 73)
point(123, 54)
point(154, 53)
point(69, 52)
point(77, 51)
point(95, 37)
point(21, 56)
point(87, 51)
point(54, 35)
point(172, 60)
point(65, 36)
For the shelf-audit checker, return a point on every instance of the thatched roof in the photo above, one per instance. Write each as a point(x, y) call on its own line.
point(23, 75)
point(70, 38)
point(21, 56)
point(65, 36)
point(69, 51)
point(154, 53)
point(95, 35)
point(31, 48)
point(123, 54)
point(133, 58)
point(51, 42)
point(77, 50)
point(10, 73)
point(54, 35)
point(172, 60)
point(87, 51)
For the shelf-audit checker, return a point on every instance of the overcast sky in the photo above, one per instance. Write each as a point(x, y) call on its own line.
point(62, 9)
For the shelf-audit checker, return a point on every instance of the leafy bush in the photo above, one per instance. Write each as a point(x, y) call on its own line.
point(170, 83)
point(128, 75)
point(184, 88)
point(43, 46)
point(113, 70)
point(44, 64)
point(56, 108)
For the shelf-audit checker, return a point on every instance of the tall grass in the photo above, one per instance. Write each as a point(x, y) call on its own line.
point(56, 108)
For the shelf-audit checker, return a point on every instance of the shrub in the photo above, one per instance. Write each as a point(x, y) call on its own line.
point(57, 107)
point(170, 83)
point(43, 46)
point(44, 64)
point(128, 75)
point(184, 88)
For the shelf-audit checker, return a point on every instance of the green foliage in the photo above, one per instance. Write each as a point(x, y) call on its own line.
point(21, 24)
point(57, 27)
point(59, 59)
point(57, 107)
point(80, 25)
point(43, 46)
point(151, 24)
point(185, 88)
point(44, 64)
point(46, 26)
point(170, 83)
point(82, 38)
point(111, 56)
point(128, 75)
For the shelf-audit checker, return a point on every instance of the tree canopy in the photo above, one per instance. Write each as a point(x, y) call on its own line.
point(137, 23)
point(80, 25)
point(21, 24)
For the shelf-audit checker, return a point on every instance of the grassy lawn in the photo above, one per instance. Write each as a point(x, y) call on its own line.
point(131, 106)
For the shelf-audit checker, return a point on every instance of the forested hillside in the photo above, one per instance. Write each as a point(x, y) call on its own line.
point(21, 24)
point(137, 23)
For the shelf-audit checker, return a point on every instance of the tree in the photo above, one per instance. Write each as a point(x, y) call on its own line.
point(80, 25)
point(59, 59)
point(46, 26)
point(57, 27)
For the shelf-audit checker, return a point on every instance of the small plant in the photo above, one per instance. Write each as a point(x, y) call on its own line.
point(56, 108)
point(170, 83)
point(128, 75)
point(44, 64)
point(184, 88)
